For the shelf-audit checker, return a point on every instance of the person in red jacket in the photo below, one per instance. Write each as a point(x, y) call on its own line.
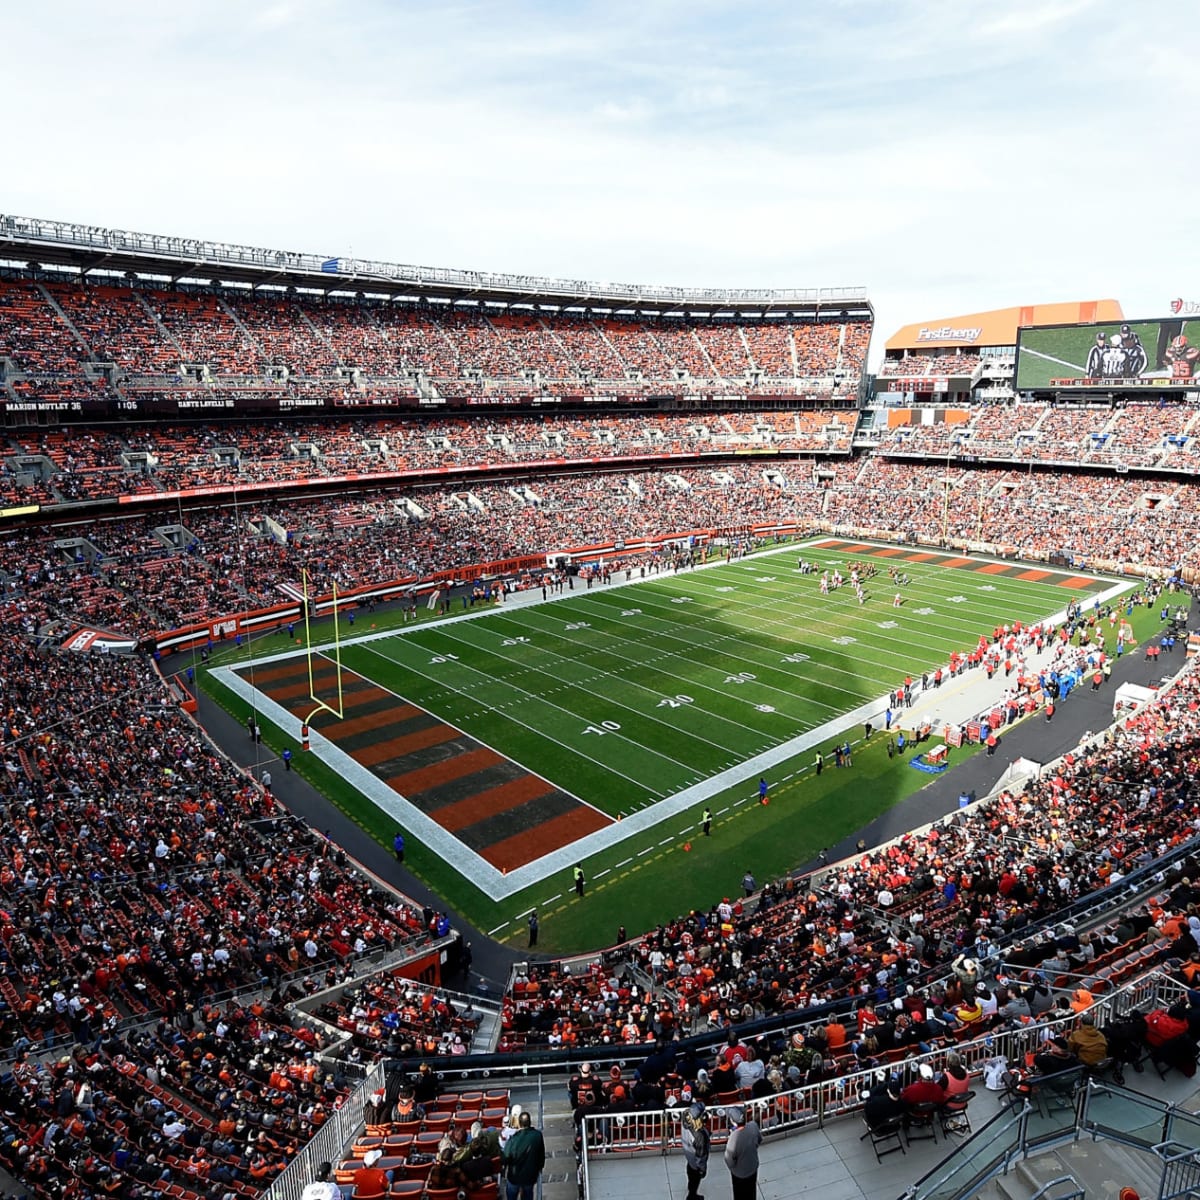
point(924, 1089)
point(1169, 1040)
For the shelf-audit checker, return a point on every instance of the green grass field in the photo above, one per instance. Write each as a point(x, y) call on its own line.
point(627, 695)
point(624, 696)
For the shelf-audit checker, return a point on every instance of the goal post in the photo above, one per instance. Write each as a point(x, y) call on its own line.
point(322, 705)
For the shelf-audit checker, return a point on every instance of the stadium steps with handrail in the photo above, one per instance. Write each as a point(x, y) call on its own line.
point(306, 320)
point(163, 331)
point(58, 311)
point(240, 326)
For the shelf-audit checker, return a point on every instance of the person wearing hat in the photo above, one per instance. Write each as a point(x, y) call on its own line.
point(511, 1124)
point(1081, 1000)
point(1087, 1043)
point(371, 1182)
point(806, 1058)
point(883, 1103)
point(924, 1089)
point(696, 1142)
point(741, 1153)
point(583, 1080)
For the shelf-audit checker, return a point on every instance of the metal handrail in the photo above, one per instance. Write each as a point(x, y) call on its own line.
point(200, 256)
point(329, 1141)
point(658, 1131)
point(1077, 1190)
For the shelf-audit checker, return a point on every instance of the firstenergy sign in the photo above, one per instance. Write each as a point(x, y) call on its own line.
point(948, 333)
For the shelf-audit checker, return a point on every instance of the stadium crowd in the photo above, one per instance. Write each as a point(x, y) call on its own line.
point(96, 464)
point(1136, 435)
point(144, 874)
point(190, 564)
point(146, 878)
point(212, 1102)
point(151, 338)
point(878, 929)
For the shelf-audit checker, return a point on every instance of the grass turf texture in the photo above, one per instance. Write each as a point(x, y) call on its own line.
point(618, 668)
point(625, 696)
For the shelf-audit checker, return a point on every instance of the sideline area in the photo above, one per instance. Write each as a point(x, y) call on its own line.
point(958, 701)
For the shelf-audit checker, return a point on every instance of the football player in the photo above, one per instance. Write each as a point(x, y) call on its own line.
point(1182, 358)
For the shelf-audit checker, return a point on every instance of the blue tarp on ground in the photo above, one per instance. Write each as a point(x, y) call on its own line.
point(918, 761)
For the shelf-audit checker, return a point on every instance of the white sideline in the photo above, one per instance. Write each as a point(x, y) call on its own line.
point(955, 704)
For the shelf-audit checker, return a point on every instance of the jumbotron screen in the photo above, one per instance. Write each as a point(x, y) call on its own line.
point(1114, 355)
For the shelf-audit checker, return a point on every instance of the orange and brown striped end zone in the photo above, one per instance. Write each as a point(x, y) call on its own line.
point(506, 814)
point(1011, 570)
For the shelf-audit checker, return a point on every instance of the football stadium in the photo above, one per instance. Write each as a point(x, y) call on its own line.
point(483, 673)
point(524, 731)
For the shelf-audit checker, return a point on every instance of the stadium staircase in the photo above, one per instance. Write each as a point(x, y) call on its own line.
point(1100, 1169)
point(562, 346)
point(163, 331)
point(713, 373)
point(306, 320)
point(750, 357)
point(58, 311)
point(240, 326)
point(608, 342)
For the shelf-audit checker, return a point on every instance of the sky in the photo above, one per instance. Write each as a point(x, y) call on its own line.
point(947, 155)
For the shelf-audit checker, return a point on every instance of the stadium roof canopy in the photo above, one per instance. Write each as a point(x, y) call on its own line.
point(999, 326)
point(91, 248)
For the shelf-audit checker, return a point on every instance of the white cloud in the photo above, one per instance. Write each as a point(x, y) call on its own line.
point(946, 159)
point(1026, 18)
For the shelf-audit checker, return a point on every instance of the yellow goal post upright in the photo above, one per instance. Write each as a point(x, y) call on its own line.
point(322, 705)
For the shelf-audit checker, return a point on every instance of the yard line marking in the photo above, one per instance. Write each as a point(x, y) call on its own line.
point(608, 699)
point(489, 680)
point(690, 642)
point(525, 724)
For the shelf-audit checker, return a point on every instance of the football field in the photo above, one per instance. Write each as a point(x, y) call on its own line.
point(520, 738)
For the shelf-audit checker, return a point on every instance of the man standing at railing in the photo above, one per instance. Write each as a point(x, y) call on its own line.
point(741, 1154)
